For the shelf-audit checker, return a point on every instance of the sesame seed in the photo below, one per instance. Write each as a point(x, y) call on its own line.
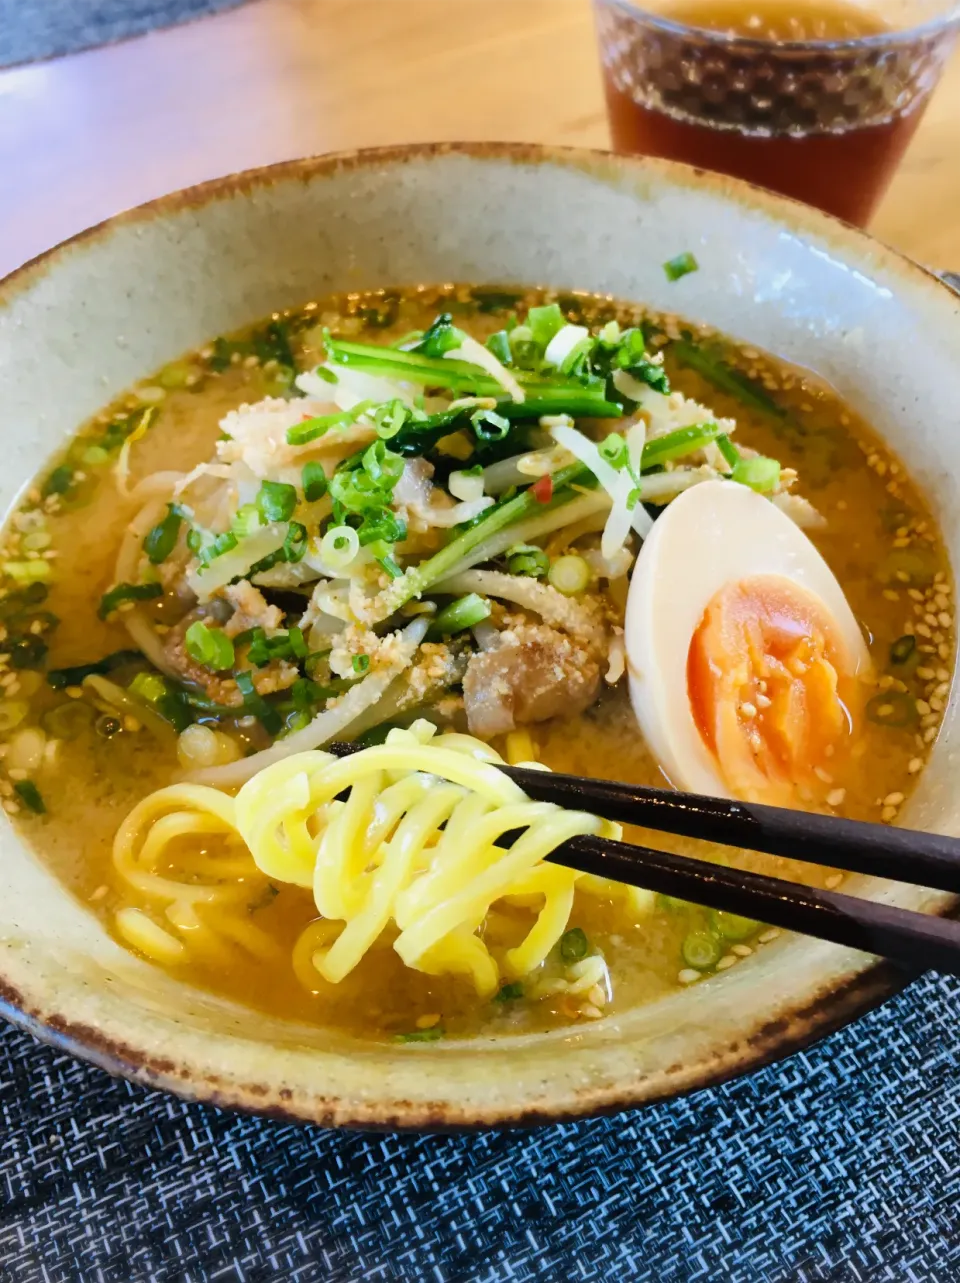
point(11, 808)
point(591, 1013)
point(726, 962)
point(936, 704)
point(836, 796)
point(945, 620)
point(923, 707)
point(942, 675)
point(929, 735)
point(888, 813)
point(925, 674)
point(422, 1022)
point(741, 950)
point(766, 936)
point(833, 881)
point(688, 976)
point(748, 710)
point(914, 765)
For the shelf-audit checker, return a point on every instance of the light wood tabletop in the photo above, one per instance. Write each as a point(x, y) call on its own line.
point(84, 136)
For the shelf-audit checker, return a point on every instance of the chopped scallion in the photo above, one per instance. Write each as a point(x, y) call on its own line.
point(59, 481)
point(676, 444)
point(729, 451)
point(58, 678)
point(122, 593)
point(760, 474)
point(574, 945)
point(276, 501)
point(313, 481)
point(510, 992)
point(614, 450)
point(527, 559)
point(162, 539)
point(254, 703)
point(30, 796)
point(701, 949)
point(421, 1035)
point(461, 614)
point(682, 265)
point(210, 647)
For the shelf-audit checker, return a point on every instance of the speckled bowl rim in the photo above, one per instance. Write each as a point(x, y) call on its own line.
point(770, 1040)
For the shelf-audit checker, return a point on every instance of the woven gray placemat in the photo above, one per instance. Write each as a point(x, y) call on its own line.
point(31, 30)
point(841, 1164)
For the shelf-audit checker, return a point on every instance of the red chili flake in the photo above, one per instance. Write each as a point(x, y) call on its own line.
point(542, 490)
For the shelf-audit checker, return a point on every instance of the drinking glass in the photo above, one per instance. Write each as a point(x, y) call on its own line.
point(823, 120)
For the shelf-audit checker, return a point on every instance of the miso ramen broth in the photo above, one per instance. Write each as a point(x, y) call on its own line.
point(91, 726)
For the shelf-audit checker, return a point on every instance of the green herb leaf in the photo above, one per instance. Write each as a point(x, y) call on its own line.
point(361, 663)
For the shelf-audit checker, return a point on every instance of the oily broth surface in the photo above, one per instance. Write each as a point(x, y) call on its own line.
point(871, 507)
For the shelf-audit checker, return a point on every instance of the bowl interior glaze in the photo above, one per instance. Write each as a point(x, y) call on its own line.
point(84, 321)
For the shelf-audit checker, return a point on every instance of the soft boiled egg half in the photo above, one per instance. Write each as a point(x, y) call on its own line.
point(745, 661)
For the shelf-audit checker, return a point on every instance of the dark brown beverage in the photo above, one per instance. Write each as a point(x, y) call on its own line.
point(817, 100)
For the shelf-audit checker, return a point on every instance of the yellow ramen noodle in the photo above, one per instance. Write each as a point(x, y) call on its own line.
point(411, 858)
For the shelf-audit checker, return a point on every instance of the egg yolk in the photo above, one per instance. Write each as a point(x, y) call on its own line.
point(770, 691)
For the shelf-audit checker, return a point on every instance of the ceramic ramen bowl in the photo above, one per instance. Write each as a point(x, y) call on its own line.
point(84, 321)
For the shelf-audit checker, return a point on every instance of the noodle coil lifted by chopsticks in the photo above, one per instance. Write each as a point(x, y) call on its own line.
point(411, 854)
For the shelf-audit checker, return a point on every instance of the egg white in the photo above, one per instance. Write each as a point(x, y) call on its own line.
point(711, 535)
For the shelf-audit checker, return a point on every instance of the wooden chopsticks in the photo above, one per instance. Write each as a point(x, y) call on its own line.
point(915, 940)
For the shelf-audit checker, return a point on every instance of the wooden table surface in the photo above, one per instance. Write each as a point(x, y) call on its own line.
point(84, 136)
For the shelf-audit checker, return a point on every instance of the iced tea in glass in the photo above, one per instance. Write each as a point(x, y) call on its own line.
point(815, 98)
